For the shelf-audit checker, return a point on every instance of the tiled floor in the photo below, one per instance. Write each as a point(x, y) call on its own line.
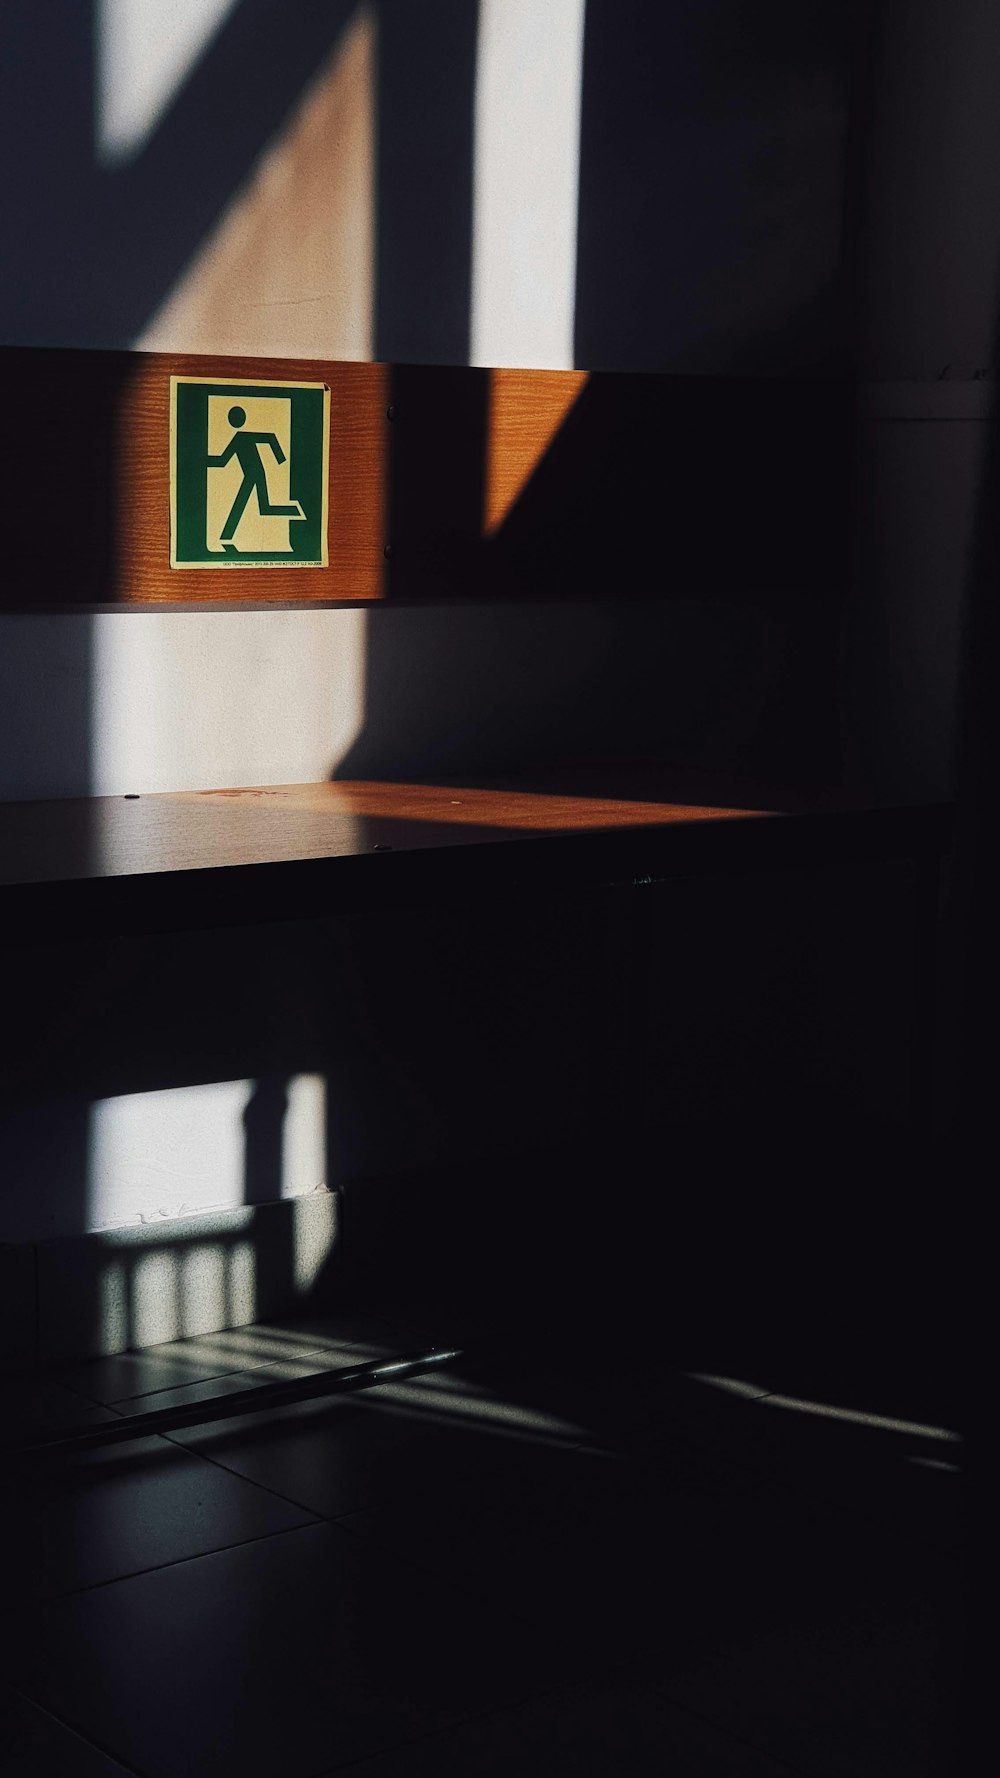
point(503, 1567)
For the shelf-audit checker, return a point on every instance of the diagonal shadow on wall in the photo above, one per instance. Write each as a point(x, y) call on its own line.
point(92, 251)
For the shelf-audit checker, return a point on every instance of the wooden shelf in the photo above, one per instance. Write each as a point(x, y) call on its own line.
point(485, 486)
point(209, 829)
point(232, 857)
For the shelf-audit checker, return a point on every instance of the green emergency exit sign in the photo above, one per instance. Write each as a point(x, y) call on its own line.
point(248, 473)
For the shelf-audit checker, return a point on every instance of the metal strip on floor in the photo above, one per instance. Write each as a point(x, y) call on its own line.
point(235, 1404)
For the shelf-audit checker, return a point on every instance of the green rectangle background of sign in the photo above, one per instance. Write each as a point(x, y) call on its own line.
point(307, 473)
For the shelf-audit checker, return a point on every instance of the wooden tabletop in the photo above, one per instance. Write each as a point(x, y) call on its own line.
point(199, 830)
point(282, 851)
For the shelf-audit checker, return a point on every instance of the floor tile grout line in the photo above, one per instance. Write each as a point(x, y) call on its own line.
point(741, 1476)
point(253, 1370)
point(499, 1708)
point(252, 1482)
point(97, 1401)
point(217, 1376)
point(802, 1491)
point(195, 1382)
point(64, 1368)
point(91, 1400)
point(122, 1401)
point(66, 1722)
point(238, 1404)
point(300, 1353)
point(627, 1663)
point(494, 1709)
point(776, 1759)
point(551, 1691)
point(179, 1561)
point(437, 1414)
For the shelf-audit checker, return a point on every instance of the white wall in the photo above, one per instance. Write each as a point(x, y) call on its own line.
point(141, 701)
point(184, 701)
point(197, 700)
point(156, 1156)
point(144, 54)
point(526, 177)
point(145, 701)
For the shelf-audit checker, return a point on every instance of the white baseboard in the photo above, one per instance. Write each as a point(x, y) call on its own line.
point(88, 1296)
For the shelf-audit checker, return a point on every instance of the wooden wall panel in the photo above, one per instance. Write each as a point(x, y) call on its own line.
point(484, 485)
point(358, 467)
point(527, 410)
point(89, 493)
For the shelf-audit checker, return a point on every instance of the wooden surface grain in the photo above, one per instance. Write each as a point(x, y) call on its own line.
point(87, 473)
point(526, 410)
point(74, 872)
point(487, 485)
point(88, 477)
point(197, 830)
point(357, 488)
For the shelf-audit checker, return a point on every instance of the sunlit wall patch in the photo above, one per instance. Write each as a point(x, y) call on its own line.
point(144, 55)
point(526, 175)
point(249, 477)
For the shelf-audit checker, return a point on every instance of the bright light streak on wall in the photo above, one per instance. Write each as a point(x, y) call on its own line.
point(242, 1282)
point(289, 268)
point(312, 1242)
point(164, 1154)
point(167, 1182)
point(526, 182)
point(202, 1281)
point(115, 1332)
point(156, 1298)
point(145, 51)
point(214, 701)
point(192, 1276)
point(211, 701)
point(303, 1136)
point(171, 1154)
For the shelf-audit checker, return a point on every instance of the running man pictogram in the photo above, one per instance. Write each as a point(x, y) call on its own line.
point(249, 473)
point(246, 447)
